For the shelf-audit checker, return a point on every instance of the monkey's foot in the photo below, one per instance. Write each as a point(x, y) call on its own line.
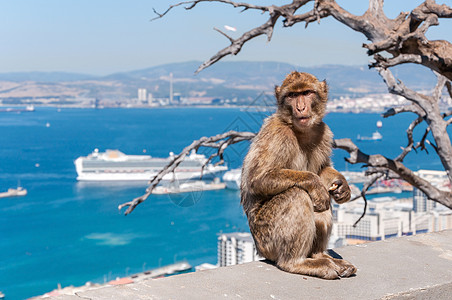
point(331, 274)
point(320, 267)
point(344, 268)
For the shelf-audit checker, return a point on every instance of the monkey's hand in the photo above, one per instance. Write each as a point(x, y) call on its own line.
point(320, 197)
point(340, 191)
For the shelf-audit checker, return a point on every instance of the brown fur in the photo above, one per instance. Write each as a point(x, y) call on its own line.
point(285, 180)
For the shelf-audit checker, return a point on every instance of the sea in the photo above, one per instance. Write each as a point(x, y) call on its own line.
point(67, 232)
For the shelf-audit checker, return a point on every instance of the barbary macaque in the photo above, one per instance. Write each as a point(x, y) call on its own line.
point(288, 180)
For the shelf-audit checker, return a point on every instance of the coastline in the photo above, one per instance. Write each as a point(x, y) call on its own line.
point(239, 107)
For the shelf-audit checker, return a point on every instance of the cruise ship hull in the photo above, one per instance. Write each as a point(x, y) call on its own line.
point(179, 176)
point(114, 165)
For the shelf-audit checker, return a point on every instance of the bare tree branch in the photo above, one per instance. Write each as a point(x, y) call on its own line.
point(397, 87)
point(237, 44)
point(431, 114)
point(441, 82)
point(449, 88)
point(193, 3)
point(402, 37)
point(414, 108)
point(220, 142)
point(371, 180)
point(410, 145)
point(384, 62)
point(449, 122)
point(411, 127)
point(403, 40)
point(227, 36)
point(379, 161)
point(363, 195)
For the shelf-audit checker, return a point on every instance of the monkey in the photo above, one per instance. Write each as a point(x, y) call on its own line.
point(288, 181)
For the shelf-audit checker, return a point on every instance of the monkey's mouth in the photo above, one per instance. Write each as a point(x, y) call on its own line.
point(303, 120)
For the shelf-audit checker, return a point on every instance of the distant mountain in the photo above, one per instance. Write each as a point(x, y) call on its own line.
point(242, 81)
point(44, 76)
point(341, 79)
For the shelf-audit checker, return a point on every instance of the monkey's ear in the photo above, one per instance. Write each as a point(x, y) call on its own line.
point(324, 90)
point(277, 92)
point(324, 86)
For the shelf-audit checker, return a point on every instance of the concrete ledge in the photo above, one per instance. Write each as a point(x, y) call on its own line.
point(401, 268)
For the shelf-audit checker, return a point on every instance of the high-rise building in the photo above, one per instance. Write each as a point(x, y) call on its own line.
point(142, 95)
point(439, 179)
point(171, 89)
point(421, 203)
point(236, 248)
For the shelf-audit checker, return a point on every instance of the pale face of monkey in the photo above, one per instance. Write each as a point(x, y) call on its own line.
point(301, 100)
point(303, 107)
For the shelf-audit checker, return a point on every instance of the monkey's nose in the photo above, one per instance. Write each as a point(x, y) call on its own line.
point(301, 106)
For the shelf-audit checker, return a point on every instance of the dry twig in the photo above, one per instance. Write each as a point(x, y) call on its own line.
point(402, 39)
point(219, 142)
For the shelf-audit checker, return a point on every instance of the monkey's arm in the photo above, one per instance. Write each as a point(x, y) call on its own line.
point(278, 181)
point(336, 184)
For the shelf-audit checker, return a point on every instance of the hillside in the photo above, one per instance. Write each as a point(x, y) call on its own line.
point(225, 80)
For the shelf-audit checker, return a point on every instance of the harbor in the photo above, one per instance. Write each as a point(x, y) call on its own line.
point(62, 217)
point(28, 108)
point(173, 269)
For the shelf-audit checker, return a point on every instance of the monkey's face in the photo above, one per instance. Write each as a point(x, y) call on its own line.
point(302, 100)
point(303, 106)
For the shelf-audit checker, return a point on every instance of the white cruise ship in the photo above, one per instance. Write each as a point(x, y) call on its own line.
point(113, 165)
point(233, 178)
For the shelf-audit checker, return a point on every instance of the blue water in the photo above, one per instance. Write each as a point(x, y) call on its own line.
point(70, 233)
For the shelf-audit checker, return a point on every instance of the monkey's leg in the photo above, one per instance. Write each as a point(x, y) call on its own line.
point(323, 224)
point(284, 229)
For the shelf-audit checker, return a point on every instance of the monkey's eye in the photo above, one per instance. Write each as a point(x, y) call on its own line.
point(293, 95)
point(302, 93)
point(307, 92)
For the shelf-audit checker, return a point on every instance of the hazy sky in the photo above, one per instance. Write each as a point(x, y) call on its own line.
point(106, 36)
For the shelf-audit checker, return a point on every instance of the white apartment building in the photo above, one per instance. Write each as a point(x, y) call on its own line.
point(236, 248)
point(388, 217)
point(384, 219)
point(142, 95)
point(420, 201)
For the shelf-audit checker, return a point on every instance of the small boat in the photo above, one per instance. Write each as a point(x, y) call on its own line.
point(19, 191)
point(376, 136)
point(189, 186)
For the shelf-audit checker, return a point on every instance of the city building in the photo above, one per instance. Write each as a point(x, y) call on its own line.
point(142, 95)
point(386, 217)
point(236, 248)
point(439, 179)
point(421, 203)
